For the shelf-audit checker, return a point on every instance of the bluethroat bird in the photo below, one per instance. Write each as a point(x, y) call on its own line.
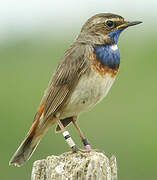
point(82, 78)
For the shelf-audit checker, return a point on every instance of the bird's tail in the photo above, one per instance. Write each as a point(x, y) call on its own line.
point(24, 151)
point(31, 141)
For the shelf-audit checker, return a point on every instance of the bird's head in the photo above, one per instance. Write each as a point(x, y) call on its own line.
point(107, 24)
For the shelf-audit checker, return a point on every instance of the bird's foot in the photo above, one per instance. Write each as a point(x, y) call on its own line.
point(97, 150)
point(75, 149)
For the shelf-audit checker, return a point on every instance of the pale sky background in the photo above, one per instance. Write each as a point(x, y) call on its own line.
point(24, 17)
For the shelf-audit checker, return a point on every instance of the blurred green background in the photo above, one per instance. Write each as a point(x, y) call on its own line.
point(123, 124)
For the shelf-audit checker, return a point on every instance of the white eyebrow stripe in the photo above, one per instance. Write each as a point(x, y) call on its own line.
point(97, 21)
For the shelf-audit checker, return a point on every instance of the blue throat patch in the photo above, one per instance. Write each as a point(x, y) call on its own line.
point(115, 34)
point(106, 55)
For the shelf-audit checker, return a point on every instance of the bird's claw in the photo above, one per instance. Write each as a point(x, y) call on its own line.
point(75, 149)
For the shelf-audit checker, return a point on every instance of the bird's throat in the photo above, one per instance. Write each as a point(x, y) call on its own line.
point(108, 55)
point(115, 34)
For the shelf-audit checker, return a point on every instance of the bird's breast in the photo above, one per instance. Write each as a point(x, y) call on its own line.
point(93, 86)
point(89, 91)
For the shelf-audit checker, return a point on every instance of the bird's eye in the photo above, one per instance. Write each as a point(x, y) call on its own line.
point(109, 23)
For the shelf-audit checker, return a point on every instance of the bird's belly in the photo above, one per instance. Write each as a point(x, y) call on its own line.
point(90, 90)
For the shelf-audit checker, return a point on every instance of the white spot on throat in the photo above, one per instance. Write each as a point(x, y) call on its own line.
point(114, 47)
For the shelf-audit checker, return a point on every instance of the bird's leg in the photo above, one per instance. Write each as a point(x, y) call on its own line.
point(67, 136)
point(84, 140)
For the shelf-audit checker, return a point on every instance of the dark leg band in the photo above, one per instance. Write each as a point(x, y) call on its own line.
point(85, 141)
point(86, 144)
point(66, 137)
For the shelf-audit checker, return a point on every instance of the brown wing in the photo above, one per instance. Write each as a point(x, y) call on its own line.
point(65, 78)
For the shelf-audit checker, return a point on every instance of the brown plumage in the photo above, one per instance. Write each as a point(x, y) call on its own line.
point(75, 85)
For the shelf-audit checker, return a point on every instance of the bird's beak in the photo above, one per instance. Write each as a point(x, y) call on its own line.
point(129, 23)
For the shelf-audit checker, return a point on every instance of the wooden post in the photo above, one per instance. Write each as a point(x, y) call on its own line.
point(93, 165)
